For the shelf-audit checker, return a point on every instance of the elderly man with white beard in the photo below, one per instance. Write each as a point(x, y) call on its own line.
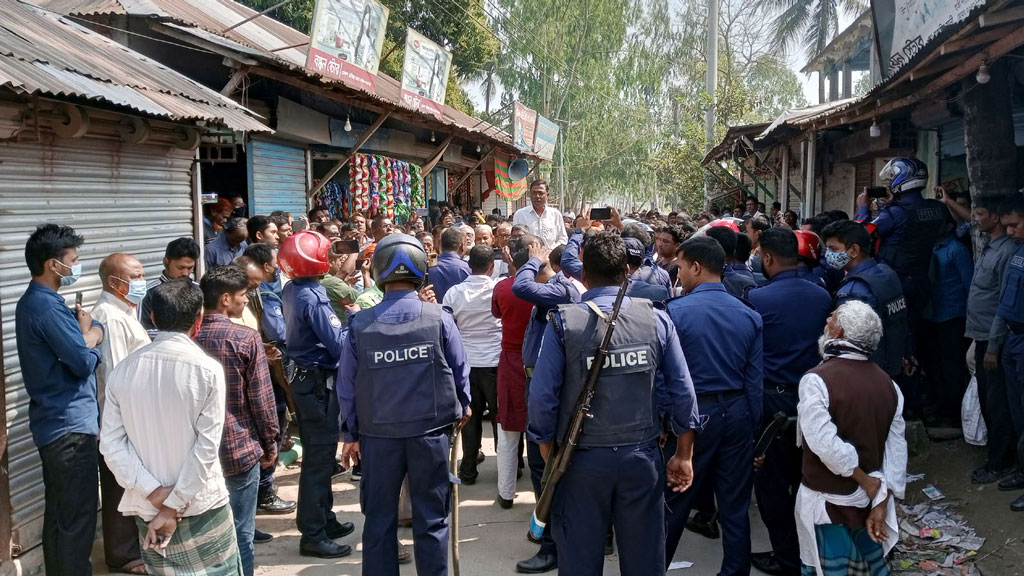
point(850, 424)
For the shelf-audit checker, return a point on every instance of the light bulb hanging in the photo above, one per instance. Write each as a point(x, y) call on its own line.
point(983, 75)
point(348, 124)
point(875, 131)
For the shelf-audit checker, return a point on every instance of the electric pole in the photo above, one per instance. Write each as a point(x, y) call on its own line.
point(712, 82)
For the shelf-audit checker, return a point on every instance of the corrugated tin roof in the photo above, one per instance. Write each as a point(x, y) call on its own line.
point(801, 116)
point(44, 53)
point(207, 19)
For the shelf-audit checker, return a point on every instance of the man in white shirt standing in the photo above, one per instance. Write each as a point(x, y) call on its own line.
point(542, 220)
point(171, 472)
point(470, 303)
point(124, 287)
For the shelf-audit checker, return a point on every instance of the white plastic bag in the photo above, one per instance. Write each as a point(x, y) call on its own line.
point(975, 432)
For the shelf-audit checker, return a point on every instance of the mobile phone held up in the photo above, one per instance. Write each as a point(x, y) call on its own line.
point(876, 191)
point(345, 247)
point(600, 214)
point(78, 299)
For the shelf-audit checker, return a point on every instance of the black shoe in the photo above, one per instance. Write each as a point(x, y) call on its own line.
point(506, 504)
point(532, 538)
point(519, 473)
point(609, 546)
point(261, 537)
point(271, 503)
point(986, 475)
point(467, 480)
point(706, 527)
point(539, 564)
point(1018, 504)
point(339, 471)
point(1015, 482)
point(357, 471)
point(325, 549)
point(480, 457)
point(340, 529)
point(766, 562)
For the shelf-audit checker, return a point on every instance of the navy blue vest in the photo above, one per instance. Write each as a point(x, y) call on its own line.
point(404, 386)
point(1011, 306)
point(892, 310)
point(625, 406)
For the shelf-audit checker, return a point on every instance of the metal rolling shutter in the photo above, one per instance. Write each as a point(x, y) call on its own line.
point(121, 198)
point(277, 178)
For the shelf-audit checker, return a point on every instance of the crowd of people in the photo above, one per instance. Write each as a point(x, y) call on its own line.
point(752, 355)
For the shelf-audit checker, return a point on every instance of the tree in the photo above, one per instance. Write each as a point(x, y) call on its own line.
point(810, 23)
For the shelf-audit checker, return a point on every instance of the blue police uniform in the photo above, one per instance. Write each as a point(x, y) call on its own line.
point(273, 328)
point(737, 279)
point(649, 274)
point(402, 383)
point(722, 340)
point(876, 284)
point(314, 334)
point(571, 264)
point(793, 314)
point(616, 474)
point(805, 272)
point(450, 270)
point(1011, 311)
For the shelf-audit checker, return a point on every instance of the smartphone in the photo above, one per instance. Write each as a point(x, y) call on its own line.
point(345, 247)
point(876, 191)
point(78, 299)
point(600, 214)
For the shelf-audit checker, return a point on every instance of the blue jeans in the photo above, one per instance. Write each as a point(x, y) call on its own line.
point(242, 492)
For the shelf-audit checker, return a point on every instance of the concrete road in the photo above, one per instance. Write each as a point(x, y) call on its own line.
point(491, 540)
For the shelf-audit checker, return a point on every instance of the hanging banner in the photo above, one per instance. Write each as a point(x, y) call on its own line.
point(346, 39)
point(524, 124)
point(546, 137)
point(904, 27)
point(425, 74)
point(506, 187)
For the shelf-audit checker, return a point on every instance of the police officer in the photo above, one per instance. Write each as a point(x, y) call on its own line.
point(874, 282)
point(537, 283)
point(314, 335)
point(403, 385)
point(1011, 311)
point(615, 477)
point(793, 314)
point(721, 337)
point(643, 283)
point(809, 257)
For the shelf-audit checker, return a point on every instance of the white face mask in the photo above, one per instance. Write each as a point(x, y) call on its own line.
point(76, 273)
point(136, 290)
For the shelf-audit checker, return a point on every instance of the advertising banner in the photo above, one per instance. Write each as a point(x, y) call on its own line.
point(524, 124)
point(546, 138)
point(905, 27)
point(346, 39)
point(425, 74)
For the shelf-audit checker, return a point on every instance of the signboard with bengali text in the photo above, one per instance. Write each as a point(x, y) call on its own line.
point(905, 27)
point(425, 74)
point(346, 39)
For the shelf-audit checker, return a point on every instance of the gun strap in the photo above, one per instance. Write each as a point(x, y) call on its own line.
point(593, 306)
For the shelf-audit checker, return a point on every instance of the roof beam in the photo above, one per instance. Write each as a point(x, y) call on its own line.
point(1001, 17)
point(204, 44)
point(971, 41)
point(348, 155)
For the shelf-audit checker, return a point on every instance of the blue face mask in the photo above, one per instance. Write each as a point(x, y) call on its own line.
point(837, 260)
point(136, 290)
point(76, 273)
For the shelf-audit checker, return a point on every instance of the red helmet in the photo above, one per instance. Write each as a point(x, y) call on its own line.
point(304, 253)
point(808, 245)
point(727, 222)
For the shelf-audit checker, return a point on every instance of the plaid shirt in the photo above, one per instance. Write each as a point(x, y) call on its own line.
point(250, 422)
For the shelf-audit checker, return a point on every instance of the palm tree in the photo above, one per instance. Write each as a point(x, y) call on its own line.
point(811, 23)
point(490, 90)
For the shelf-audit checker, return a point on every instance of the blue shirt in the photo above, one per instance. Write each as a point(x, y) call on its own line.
point(220, 253)
point(272, 322)
point(737, 278)
point(58, 369)
point(313, 331)
point(722, 339)
point(855, 288)
point(892, 219)
point(571, 264)
point(673, 388)
point(951, 272)
point(398, 306)
point(793, 314)
point(1011, 298)
point(558, 290)
point(450, 270)
point(811, 275)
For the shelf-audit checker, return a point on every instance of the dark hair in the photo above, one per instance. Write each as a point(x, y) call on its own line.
point(677, 232)
point(780, 243)
point(279, 217)
point(849, 233)
point(759, 223)
point(184, 247)
point(776, 205)
point(521, 256)
point(1014, 203)
point(818, 224)
point(705, 251)
point(725, 236)
point(176, 304)
point(256, 224)
point(743, 247)
point(261, 254)
point(539, 182)
point(322, 227)
point(424, 234)
point(49, 241)
point(481, 257)
point(519, 227)
point(837, 215)
point(233, 224)
point(222, 280)
point(637, 231)
point(555, 257)
point(451, 239)
point(314, 210)
point(244, 262)
point(990, 204)
point(378, 219)
point(604, 260)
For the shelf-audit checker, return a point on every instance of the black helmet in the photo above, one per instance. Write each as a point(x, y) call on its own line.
point(399, 258)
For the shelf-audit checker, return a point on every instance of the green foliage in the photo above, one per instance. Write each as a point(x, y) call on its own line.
point(811, 23)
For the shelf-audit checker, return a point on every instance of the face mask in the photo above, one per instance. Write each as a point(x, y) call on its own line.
point(76, 273)
point(136, 290)
point(837, 260)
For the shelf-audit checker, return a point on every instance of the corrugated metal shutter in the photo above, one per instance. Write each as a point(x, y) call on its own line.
point(121, 198)
point(277, 178)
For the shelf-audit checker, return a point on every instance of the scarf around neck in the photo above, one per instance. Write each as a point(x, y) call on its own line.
point(842, 347)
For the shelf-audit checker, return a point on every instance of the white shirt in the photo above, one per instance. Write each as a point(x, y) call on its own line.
point(122, 335)
point(162, 426)
point(470, 302)
point(548, 226)
point(818, 431)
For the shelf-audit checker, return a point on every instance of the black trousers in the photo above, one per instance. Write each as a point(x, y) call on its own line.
point(943, 357)
point(776, 483)
point(483, 385)
point(995, 409)
point(317, 408)
point(120, 534)
point(70, 479)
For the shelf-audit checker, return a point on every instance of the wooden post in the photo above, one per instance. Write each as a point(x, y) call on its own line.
point(348, 155)
point(486, 154)
point(438, 154)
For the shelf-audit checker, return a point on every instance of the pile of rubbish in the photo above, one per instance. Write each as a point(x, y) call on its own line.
point(935, 540)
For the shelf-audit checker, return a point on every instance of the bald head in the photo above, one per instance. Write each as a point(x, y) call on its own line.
point(117, 270)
